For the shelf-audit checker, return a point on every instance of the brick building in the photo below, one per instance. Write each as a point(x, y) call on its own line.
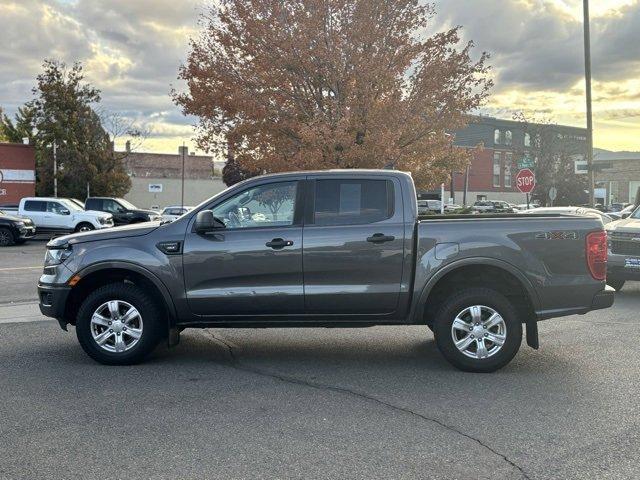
point(494, 167)
point(617, 176)
point(17, 172)
point(156, 178)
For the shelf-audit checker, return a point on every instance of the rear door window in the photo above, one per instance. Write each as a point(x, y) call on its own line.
point(35, 206)
point(352, 202)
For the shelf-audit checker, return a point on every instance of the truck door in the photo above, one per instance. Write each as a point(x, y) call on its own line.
point(253, 266)
point(353, 246)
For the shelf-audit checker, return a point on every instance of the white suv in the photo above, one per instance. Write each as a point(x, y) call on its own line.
point(61, 215)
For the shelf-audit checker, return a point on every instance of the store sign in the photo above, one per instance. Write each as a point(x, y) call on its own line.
point(155, 188)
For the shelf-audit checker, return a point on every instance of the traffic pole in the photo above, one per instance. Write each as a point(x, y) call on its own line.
point(528, 207)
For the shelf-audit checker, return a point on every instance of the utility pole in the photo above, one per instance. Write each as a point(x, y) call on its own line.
point(587, 76)
point(466, 187)
point(55, 169)
point(183, 151)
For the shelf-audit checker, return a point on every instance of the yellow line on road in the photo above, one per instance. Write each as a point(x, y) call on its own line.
point(19, 268)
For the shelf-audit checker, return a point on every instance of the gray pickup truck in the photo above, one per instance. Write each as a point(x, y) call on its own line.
point(326, 249)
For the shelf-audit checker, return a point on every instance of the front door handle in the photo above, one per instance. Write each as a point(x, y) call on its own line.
point(278, 243)
point(380, 238)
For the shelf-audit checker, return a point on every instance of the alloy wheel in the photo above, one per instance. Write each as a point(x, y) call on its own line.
point(479, 331)
point(116, 326)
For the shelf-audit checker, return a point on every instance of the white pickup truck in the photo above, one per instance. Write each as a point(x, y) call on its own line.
point(60, 215)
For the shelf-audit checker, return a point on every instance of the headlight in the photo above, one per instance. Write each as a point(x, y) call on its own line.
point(56, 256)
point(20, 224)
point(103, 220)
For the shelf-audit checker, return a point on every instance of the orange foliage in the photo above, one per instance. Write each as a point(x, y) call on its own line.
point(318, 84)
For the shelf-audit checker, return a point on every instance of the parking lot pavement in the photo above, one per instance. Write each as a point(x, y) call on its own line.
point(322, 403)
point(20, 268)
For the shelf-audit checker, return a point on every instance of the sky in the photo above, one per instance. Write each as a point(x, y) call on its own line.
point(131, 51)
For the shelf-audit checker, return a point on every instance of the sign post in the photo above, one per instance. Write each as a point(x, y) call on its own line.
point(526, 182)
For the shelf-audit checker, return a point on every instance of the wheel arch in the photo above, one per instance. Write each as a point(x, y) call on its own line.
point(472, 270)
point(99, 274)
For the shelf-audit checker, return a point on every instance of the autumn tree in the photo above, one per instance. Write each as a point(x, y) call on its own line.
point(553, 154)
point(61, 112)
point(316, 84)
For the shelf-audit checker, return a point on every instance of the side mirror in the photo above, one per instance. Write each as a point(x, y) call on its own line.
point(121, 210)
point(625, 215)
point(64, 211)
point(206, 222)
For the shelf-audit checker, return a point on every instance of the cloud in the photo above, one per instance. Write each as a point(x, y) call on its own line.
point(538, 44)
point(131, 50)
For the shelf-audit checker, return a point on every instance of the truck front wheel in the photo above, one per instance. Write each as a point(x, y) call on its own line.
point(478, 330)
point(119, 324)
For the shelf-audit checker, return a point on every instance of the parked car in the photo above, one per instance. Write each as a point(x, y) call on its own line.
point(15, 230)
point(428, 207)
point(492, 206)
point(53, 215)
point(171, 213)
point(624, 250)
point(450, 207)
point(624, 213)
point(583, 211)
point(124, 213)
point(326, 249)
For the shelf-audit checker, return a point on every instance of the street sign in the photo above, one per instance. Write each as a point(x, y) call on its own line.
point(525, 162)
point(525, 180)
point(553, 193)
point(155, 188)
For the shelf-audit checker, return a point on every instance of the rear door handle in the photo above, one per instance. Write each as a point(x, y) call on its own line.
point(380, 238)
point(278, 243)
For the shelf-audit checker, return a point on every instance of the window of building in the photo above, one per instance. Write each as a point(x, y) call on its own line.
point(497, 136)
point(352, 202)
point(496, 169)
point(508, 161)
point(508, 137)
point(527, 140)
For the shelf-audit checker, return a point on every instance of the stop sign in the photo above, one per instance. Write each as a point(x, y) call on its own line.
point(525, 180)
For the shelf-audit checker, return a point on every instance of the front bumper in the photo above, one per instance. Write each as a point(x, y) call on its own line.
point(53, 301)
point(623, 267)
point(26, 232)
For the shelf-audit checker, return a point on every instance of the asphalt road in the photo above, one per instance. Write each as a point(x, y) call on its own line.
point(315, 403)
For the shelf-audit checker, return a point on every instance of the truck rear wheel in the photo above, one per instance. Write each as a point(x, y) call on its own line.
point(119, 324)
point(478, 330)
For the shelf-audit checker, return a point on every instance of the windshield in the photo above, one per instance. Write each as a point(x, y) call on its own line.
point(636, 213)
point(127, 205)
point(72, 206)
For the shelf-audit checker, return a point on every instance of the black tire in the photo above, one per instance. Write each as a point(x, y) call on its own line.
point(84, 227)
point(6, 237)
point(154, 324)
point(616, 283)
point(447, 313)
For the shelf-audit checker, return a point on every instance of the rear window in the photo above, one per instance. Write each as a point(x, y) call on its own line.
point(352, 202)
point(35, 206)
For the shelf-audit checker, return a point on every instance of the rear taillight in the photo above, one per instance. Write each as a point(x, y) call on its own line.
point(597, 254)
